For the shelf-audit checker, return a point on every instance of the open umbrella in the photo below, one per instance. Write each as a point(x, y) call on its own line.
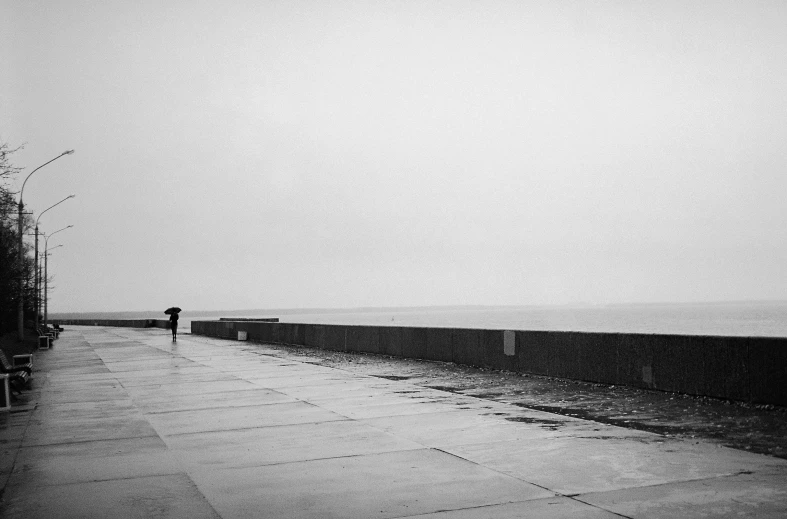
point(172, 310)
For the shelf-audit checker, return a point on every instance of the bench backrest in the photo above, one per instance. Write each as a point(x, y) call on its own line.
point(4, 361)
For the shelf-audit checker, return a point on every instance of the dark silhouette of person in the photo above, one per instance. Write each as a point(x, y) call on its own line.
point(173, 323)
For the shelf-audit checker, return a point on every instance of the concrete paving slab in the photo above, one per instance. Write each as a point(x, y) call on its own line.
point(489, 406)
point(114, 346)
point(250, 363)
point(364, 409)
point(105, 338)
point(210, 350)
point(13, 425)
point(206, 420)
point(360, 383)
point(332, 391)
point(8, 452)
point(107, 343)
point(187, 377)
point(81, 395)
point(9, 447)
point(80, 462)
point(165, 372)
point(47, 432)
point(741, 495)
point(178, 389)
point(77, 354)
point(162, 402)
point(448, 398)
point(72, 366)
point(285, 374)
point(152, 355)
point(550, 508)
point(259, 372)
point(243, 448)
point(70, 379)
point(12, 430)
point(461, 427)
point(397, 484)
point(90, 384)
point(274, 370)
point(384, 398)
point(306, 379)
point(81, 369)
point(76, 359)
point(90, 410)
point(576, 465)
point(132, 351)
point(173, 497)
point(135, 365)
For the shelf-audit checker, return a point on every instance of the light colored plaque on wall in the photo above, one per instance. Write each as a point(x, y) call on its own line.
point(509, 342)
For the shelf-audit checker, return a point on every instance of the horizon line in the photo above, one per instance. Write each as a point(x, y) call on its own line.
point(577, 304)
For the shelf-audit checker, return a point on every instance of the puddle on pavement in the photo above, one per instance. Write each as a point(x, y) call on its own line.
point(391, 377)
point(485, 395)
point(552, 425)
point(445, 388)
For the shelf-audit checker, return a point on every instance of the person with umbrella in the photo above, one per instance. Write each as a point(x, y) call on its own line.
point(173, 320)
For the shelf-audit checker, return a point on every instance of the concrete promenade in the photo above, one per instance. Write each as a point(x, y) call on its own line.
point(125, 423)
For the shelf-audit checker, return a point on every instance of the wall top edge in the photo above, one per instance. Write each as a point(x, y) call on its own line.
point(555, 332)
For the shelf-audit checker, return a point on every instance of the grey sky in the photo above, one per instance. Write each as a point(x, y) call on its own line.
point(306, 154)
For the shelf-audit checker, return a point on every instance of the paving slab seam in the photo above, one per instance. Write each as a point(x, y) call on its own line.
point(88, 440)
point(492, 506)
point(499, 471)
point(573, 497)
point(101, 480)
point(17, 449)
point(173, 435)
point(265, 404)
point(327, 458)
point(666, 484)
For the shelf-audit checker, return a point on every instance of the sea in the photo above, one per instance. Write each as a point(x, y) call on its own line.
point(747, 319)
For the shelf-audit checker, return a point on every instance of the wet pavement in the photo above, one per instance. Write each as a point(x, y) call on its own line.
point(754, 427)
point(125, 423)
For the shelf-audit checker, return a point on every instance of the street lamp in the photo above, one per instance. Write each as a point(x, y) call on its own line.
point(37, 277)
point(46, 273)
point(21, 306)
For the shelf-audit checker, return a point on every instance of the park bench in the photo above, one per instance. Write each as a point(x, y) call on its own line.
point(46, 330)
point(45, 338)
point(21, 362)
point(20, 372)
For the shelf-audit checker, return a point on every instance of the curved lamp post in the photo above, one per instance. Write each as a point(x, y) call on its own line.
point(46, 273)
point(37, 277)
point(21, 305)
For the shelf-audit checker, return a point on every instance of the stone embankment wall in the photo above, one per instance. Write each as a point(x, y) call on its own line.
point(750, 369)
point(127, 323)
point(254, 319)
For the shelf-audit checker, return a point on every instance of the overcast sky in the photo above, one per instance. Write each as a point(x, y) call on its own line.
point(330, 153)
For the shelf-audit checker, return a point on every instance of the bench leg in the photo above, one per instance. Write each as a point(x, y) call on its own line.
point(5, 393)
